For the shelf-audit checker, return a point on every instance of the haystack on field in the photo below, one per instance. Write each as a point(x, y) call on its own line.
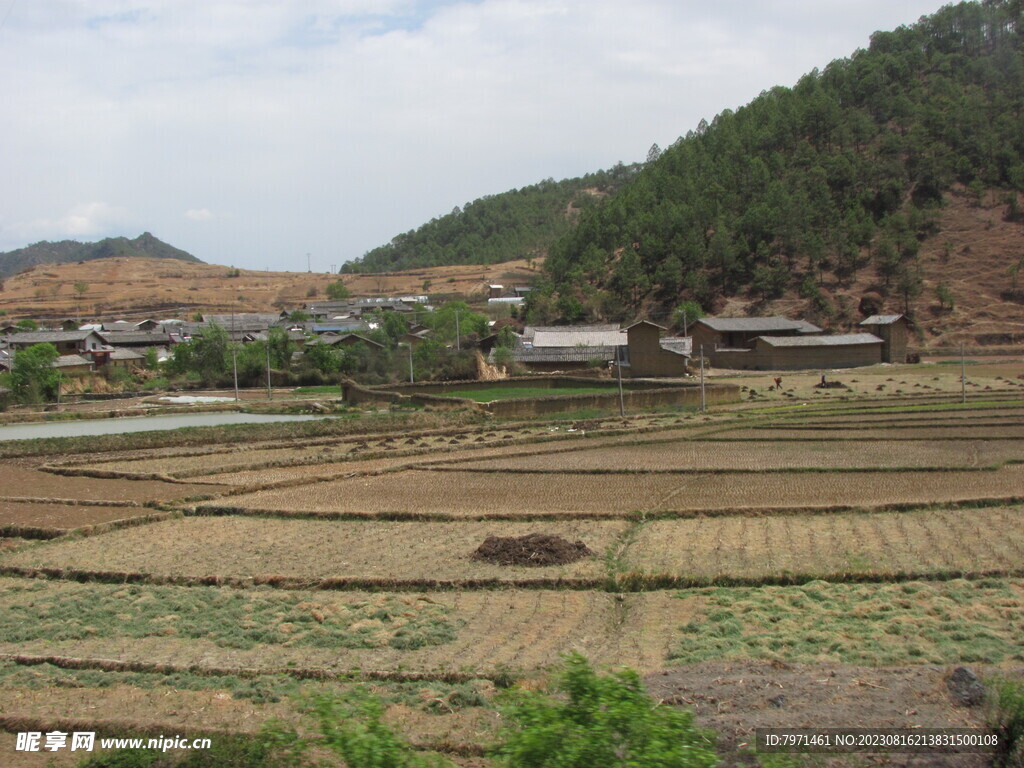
point(864, 538)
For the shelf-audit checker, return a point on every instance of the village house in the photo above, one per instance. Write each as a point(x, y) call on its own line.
point(893, 330)
point(649, 354)
point(739, 332)
point(344, 340)
point(66, 342)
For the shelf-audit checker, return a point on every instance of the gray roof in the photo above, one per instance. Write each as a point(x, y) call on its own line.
point(839, 340)
point(66, 361)
point(752, 324)
point(563, 354)
point(243, 319)
point(153, 338)
point(125, 354)
point(881, 320)
point(52, 337)
point(530, 330)
point(806, 327)
point(332, 339)
point(680, 345)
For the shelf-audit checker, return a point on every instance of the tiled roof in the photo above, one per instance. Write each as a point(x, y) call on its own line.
point(563, 354)
point(680, 345)
point(154, 338)
point(840, 340)
point(881, 320)
point(66, 361)
point(750, 324)
point(52, 337)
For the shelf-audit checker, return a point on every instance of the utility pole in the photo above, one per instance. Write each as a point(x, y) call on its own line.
point(963, 375)
point(411, 379)
point(234, 368)
point(618, 371)
point(309, 268)
point(270, 392)
point(458, 334)
point(703, 401)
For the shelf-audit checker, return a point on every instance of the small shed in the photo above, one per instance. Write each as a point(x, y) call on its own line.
point(893, 330)
point(649, 355)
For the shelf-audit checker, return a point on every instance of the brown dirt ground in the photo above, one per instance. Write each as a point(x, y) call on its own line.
point(20, 481)
point(148, 288)
point(483, 494)
point(63, 517)
point(242, 547)
point(733, 699)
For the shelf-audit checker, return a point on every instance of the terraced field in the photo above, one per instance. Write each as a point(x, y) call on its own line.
point(139, 589)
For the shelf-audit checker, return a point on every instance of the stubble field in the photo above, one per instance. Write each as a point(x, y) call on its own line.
point(820, 535)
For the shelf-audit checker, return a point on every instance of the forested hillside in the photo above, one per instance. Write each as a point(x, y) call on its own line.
point(812, 187)
point(66, 251)
point(517, 224)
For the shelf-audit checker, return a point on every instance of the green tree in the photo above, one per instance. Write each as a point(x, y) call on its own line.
point(686, 313)
point(600, 720)
point(281, 348)
point(337, 291)
point(207, 356)
point(945, 296)
point(33, 377)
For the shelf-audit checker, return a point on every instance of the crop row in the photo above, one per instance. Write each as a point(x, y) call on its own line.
point(416, 555)
point(495, 633)
point(496, 494)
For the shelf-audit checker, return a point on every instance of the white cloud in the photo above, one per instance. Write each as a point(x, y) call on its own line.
point(85, 220)
point(336, 124)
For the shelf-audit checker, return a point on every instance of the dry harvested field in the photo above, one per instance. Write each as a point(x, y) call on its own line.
point(790, 535)
point(468, 632)
point(55, 519)
point(376, 550)
point(708, 455)
point(861, 436)
point(831, 546)
point(21, 482)
point(508, 495)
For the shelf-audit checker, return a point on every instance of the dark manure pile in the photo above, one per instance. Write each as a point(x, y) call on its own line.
point(533, 549)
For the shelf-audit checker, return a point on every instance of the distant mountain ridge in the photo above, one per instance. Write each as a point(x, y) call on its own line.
point(69, 251)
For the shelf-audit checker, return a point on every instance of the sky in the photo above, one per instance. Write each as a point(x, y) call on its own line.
point(286, 134)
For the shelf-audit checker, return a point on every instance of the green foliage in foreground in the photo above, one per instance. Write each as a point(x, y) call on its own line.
point(957, 621)
point(600, 720)
point(1007, 721)
point(587, 720)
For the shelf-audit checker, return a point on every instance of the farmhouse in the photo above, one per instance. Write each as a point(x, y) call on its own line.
point(740, 332)
point(649, 354)
point(72, 364)
point(893, 330)
point(790, 353)
point(343, 340)
point(66, 342)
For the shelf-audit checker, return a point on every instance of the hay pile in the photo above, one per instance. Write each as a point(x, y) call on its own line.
point(535, 549)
